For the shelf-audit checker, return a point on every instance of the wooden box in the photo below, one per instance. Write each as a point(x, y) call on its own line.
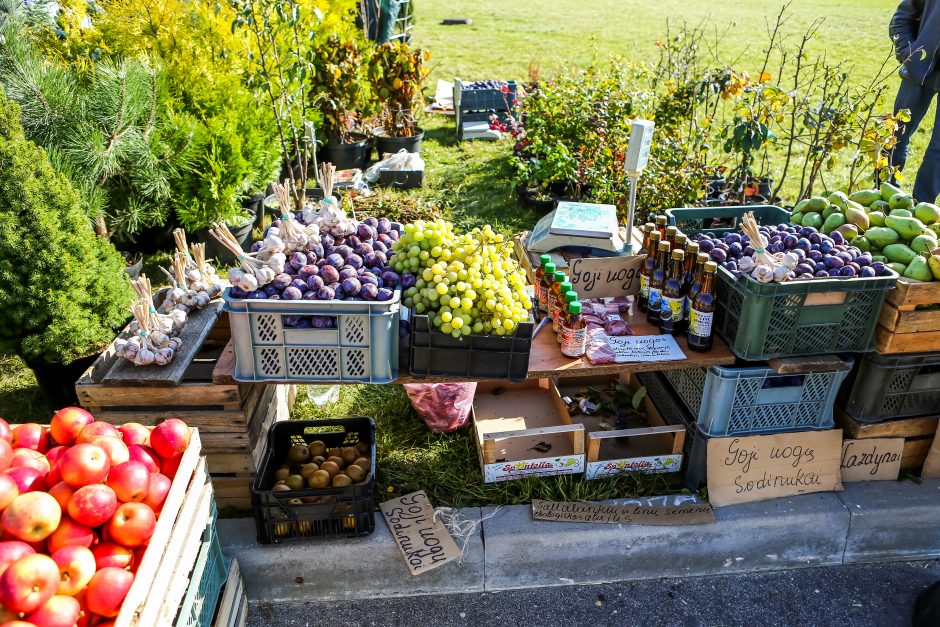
point(918, 434)
point(522, 430)
point(233, 605)
point(904, 329)
point(656, 448)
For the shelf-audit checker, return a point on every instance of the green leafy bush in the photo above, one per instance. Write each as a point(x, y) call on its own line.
point(65, 293)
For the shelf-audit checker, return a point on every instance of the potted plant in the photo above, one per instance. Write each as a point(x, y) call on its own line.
point(65, 294)
point(396, 73)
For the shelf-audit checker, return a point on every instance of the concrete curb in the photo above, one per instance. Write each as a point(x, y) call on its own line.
point(868, 522)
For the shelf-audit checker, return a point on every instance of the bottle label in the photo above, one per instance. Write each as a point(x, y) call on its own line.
point(557, 316)
point(656, 297)
point(644, 286)
point(573, 341)
point(700, 323)
point(550, 303)
point(671, 309)
point(542, 296)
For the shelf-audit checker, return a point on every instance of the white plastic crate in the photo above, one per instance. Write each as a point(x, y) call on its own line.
point(362, 348)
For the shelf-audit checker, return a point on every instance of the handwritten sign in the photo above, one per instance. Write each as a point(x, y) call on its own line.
point(424, 542)
point(629, 348)
point(597, 277)
point(761, 467)
point(932, 463)
point(688, 514)
point(872, 459)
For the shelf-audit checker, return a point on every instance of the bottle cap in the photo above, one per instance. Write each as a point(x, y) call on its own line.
point(661, 219)
point(664, 247)
point(545, 260)
point(691, 249)
point(678, 255)
point(565, 286)
point(649, 226)
point(681, 239)
point(654, 236)
point(574, 307)
point(671, 230)
point(549, 269)
point(571, 296)
point(702, 258)
point(560, 276)
point(711, 266)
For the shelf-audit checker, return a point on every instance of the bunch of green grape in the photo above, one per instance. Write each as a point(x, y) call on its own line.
point(466, 283)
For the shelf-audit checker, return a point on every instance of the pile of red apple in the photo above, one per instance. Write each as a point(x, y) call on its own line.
point(79, 502)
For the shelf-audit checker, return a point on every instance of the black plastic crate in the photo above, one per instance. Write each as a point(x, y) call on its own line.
point(401, 179)
point(474, 356)
point(337, 512)
point(488, 99)
point(886, 387)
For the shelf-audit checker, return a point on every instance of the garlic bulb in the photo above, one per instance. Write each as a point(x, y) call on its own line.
point(764, 274)
point(746, 264)
point(781, 274)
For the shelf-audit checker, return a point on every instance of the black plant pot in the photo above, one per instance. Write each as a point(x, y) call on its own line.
point(345, 156)
point(765, 186)
point(243, 234)
point(384, 144)
point(252, 204)
point(530, 197)
point(57, 381)
point(716, 187)
point(155, 238)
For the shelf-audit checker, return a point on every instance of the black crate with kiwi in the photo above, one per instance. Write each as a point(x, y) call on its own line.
point(316, 480)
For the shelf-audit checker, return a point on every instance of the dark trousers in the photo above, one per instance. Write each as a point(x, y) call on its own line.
point(917, 98)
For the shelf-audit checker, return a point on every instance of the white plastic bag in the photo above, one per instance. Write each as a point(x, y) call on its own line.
point(402, 160)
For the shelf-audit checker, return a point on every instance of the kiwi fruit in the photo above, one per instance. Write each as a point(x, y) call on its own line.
point(319, 459)
point(308, 469)
point(320, 479)
point(339, 461)
point(295, 482)
point(316, 448)
point(330, 467)
point(334, 452)
point(298, 454)
point(341, 481)
point(280, 487)
point(350, 454)
point(294, 502)
point(309, 499)
point(356, 473)
point(362, 447)
point(328, 499)
point(281, 473)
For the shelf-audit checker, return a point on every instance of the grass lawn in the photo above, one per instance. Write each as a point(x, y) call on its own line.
point(472, 183)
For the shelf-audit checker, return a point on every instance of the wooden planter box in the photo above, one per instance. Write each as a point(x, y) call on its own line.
point(904, 329)
point(523, 430)
point(918, 434)
point(232, 418)
point(233, 606)
point(646, 450)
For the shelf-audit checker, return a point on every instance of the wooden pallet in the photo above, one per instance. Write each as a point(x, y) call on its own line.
point(233, 605)
point(904, 329)
point(918, 434)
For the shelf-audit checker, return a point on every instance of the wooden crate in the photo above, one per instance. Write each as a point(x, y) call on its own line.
point(904, 329)
point(646, 450)
point(918, 434)
point(512, 421)
point(233, 606)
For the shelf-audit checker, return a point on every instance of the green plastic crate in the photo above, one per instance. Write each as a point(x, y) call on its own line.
point(762, 321)
point(206, 581)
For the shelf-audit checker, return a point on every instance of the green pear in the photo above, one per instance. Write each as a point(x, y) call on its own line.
point(928, 213)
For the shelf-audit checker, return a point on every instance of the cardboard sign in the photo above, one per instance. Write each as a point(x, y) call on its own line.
point(690, 514)
point(761, 467)
point(543, 467)
point(643, 465)
point(873, 459)
point(932, 463)
point(597, 277)
point(423, 541)
point(632, 348)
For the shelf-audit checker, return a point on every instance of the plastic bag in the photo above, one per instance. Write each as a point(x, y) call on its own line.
point(444, 407)
point(402, 160)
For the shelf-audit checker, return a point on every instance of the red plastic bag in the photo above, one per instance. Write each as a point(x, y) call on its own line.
point(444, 407)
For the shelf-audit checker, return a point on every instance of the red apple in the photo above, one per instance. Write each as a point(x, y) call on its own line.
point(31, 517)
point(12, 550)
point(28, 583)
point(130, 481)
point(135, 433)
point(77, 565)
point(6, 433)
point(169, 466)
point(18, 623)
point(53, 454)
point(156, 493)
point(84, 464)
point(97, 430)
point(59, 611)
point(27, 479)
point(106, 591)
point(116, 449)
point(62, 493)
point(145, 455)
point(71, 533)
point(8, 490)
point(30, 435)
point(112, 554)
point(6, 454)
point(93, 505)
point(67, 423)
point(132, 524)
point(28, 458)
point(170, 438)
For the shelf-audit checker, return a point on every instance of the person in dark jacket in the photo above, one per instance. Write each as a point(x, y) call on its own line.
point(915, 31)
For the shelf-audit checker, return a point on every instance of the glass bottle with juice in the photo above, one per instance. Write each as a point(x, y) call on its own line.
point(558, 312)
point(570, 297)
point(700, 260)
point(688, 277)
point(661, 222)
point(544, 260)
point(573, 332)
point(554, 292)
point(702, 313)
point(673, 298)
point(647, 229)
point(657, 281)
point(646, 272)
point(548, 277)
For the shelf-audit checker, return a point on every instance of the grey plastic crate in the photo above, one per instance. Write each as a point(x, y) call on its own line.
point(753, 399)
point(362, 348)
point(885, 387)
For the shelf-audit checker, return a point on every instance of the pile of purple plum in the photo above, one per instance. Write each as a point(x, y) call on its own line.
point(355, 267)
point(806, 253)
